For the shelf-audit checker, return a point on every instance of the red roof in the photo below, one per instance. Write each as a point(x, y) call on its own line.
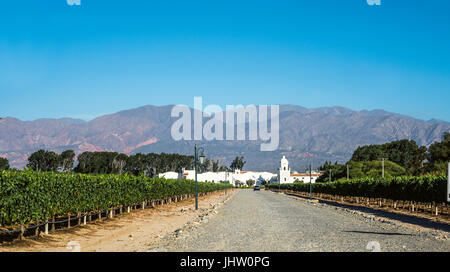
point(304, 175)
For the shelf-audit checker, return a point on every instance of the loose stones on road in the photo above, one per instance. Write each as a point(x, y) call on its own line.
point(263, 221)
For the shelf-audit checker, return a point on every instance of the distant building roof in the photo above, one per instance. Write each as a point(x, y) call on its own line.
point(304, 175)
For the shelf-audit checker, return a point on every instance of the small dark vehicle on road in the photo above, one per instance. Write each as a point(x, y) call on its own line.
point(256, 188)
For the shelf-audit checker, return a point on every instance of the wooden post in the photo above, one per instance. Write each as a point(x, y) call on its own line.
point(36, 231)
point(46, 228)
point(128, 209)
point(53, 223)
point(143, 205)
point(90, 217)
point(84, 219)
point(79, 218)
point(22, 232)
point(68, 222)
point(111, 213)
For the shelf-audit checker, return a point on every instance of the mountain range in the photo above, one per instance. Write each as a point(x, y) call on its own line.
point(306, 135)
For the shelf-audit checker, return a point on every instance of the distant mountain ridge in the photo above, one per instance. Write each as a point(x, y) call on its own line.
point(306, 135)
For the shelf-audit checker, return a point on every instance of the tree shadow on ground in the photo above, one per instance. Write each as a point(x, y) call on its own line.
point(379, 233)
point(409, 219)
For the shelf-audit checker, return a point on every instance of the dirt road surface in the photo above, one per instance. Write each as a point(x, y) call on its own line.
point(267, 221)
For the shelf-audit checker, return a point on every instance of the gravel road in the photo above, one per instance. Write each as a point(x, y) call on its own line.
point(265, 221)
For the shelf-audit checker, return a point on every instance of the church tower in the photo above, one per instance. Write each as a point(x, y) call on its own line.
point(284, 174)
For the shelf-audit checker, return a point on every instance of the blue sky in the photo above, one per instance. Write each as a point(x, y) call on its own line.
point(104, 56)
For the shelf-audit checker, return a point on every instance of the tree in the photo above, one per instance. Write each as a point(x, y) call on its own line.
point(84, 162)
point(368, 153)
point(137, 164)
point(250, 182)
point(96, 162)
point(140, 164)
point(43, 161)
point(4, 163)
point(405, 153)
point(66, 160)
point(360, 169)
point(439, 155)
point(238, 163)
point(223, 168)
point(215, 166)
point(335, 170)
point(118, 164)
point(205, 166)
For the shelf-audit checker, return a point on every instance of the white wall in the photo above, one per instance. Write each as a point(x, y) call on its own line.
point(217, 177)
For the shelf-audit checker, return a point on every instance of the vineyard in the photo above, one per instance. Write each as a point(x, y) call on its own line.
point(33, 197)
point(427, 192)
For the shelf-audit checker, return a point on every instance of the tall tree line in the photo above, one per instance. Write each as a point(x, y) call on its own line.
point(402, 157)
point(116, 163)
point(4, 164)
point(45, 161)
point(108, 162)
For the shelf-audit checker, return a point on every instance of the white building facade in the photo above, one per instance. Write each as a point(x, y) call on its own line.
point(233, 178)
point(285, 175)
point(241, 177)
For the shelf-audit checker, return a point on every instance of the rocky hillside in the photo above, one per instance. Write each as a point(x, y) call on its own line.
point(331, 133)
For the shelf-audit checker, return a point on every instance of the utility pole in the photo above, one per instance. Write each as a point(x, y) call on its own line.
point(348, 172)
point(382, 163)
point(310, 181)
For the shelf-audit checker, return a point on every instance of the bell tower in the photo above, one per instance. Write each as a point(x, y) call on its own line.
point(284, 174)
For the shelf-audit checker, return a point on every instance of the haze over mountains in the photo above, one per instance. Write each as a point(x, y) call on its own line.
point(329, 133)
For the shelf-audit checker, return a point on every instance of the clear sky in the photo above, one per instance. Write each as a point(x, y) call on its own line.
point(104, 56)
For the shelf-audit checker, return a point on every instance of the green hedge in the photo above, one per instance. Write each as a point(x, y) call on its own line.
point(422, 189)
point(28, 196)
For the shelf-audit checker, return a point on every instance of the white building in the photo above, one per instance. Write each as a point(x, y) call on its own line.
point(285, 175)
point(216, 177)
